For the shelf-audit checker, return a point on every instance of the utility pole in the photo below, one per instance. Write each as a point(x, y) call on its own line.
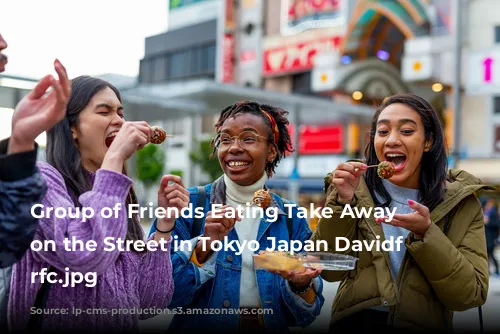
point(294, 178)
point(457, 84)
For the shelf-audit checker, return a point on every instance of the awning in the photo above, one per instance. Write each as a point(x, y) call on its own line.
point(305, 185)
point(488, 170)
point(384, 25)
point(205, 97)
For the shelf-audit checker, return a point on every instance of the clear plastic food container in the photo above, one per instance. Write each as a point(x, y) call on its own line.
point(328, 261)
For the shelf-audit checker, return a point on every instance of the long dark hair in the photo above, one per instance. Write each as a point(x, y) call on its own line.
point(284, 144)
point(434, 163)
point(63, 154)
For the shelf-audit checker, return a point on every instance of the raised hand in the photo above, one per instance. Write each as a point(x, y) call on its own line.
point(175, 196)
point(217, 226)
point(132, 137)
point(346, 179)
point(38, 112)
point(418, 222)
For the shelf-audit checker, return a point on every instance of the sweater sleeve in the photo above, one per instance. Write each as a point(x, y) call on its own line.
point(109, 189)
point(156, 285)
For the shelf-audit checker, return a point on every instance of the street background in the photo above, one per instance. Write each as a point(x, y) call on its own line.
point(178, 63)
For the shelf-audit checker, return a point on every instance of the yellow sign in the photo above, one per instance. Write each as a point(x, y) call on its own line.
point(417, 66)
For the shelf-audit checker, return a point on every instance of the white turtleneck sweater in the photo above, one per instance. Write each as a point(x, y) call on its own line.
point(246, 229)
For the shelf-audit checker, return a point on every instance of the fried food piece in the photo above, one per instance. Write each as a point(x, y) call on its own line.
point(262, 198)
point(386, 169)
point(159, 135)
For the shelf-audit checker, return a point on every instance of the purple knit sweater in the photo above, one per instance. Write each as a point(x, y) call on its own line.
point(126, 280)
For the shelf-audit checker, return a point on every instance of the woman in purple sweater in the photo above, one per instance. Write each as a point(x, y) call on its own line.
point(86, 153)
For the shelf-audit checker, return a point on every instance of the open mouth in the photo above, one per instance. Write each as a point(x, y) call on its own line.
point(398, 159)
point(110, 138)
point(237, 165)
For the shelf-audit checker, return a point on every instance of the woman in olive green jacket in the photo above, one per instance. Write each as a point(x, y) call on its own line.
point(437, 269)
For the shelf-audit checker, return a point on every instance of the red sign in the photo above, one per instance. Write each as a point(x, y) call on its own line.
point(299, 9)
point(247, 56)
point(310, 14)
point(228, 65)
point(297, 57)
point(327, 139)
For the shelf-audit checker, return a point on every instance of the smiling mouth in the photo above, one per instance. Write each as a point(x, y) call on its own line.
point(110, 138)
point(398, 159)
point(238, 164)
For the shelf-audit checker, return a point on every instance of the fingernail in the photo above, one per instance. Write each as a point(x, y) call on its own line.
point(411, 202)
point(364, 166)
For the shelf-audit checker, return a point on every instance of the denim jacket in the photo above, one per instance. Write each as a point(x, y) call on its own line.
point(214, 287)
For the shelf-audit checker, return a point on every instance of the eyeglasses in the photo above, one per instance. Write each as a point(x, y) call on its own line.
point(247, 140)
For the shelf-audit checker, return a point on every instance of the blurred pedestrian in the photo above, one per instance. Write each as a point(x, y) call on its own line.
point(491, 228)
point(21, 184)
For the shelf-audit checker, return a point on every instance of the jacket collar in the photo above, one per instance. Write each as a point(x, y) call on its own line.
point(218, 195)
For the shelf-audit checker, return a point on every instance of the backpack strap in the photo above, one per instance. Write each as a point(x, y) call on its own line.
point(202, 197)
point(36, 319)
point(289, 221)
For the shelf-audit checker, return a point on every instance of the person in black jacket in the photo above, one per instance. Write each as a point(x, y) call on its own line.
point(21, 185)
point(491, 228)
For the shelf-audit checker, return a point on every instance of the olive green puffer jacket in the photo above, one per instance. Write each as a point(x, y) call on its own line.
point(439, 273)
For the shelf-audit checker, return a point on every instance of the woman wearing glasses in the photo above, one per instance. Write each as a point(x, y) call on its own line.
point(250, 141)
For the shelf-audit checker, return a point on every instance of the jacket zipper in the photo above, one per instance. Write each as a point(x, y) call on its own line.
point(386, 257)
point(398, 281)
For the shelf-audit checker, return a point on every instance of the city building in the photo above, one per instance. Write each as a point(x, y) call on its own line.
point(329, 63)
point(338, 55)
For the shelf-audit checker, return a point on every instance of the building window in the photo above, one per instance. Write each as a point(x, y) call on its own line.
point(211, 58)
point(179, 64)
point(497, 34)
point(207, 58)
point(301, 83)
point(159, 69)
point(496, 105)
point(196, 58)
point(145, 71)
point(191, 62)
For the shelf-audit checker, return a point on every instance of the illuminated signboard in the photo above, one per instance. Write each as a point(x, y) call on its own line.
point(300, 15)
point(483, 72)
point(297, 57)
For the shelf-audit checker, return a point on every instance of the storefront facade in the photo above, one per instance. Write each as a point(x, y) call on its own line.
point(336, 59)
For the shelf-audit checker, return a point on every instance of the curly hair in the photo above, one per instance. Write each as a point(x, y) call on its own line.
point(284, 144)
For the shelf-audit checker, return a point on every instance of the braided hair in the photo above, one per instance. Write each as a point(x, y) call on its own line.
point(284, 143)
